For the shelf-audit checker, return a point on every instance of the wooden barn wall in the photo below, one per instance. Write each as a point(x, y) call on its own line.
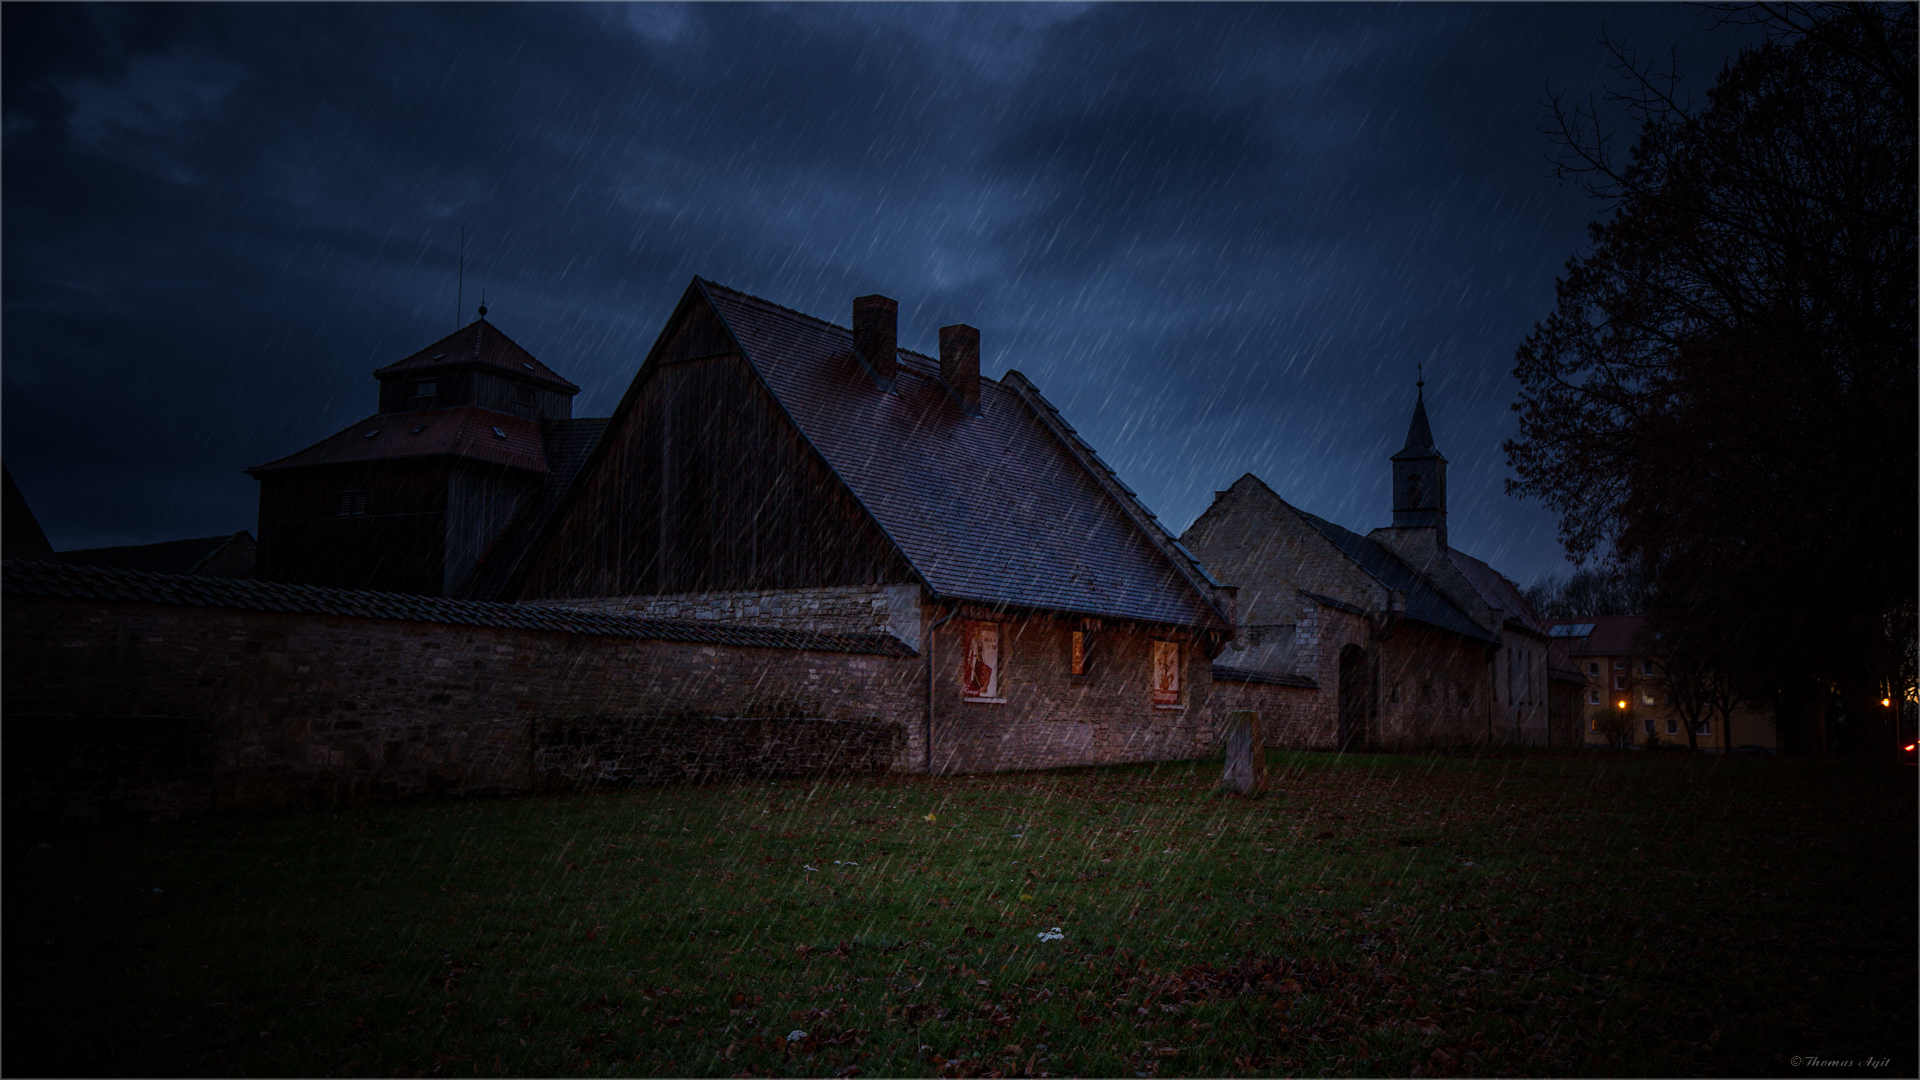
point(396, 546)
point(481, 503)
point(706, 486)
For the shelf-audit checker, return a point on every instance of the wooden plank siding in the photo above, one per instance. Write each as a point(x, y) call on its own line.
point(705, 485)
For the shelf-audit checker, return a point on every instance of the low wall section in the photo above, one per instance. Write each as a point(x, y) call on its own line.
point(159, 710)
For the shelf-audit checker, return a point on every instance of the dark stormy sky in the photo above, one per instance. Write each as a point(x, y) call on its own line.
point(1219, 238)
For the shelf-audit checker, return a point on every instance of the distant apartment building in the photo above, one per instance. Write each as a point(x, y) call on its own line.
point(1627, 700)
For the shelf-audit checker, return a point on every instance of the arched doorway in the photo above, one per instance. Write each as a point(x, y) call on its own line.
point(1354, 697)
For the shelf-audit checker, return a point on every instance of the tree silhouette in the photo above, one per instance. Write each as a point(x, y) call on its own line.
point(1725, 393)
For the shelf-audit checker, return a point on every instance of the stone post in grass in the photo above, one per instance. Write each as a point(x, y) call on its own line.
point(1246, 770)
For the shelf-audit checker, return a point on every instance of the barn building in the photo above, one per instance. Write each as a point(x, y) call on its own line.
point(1417, 643)
point(773, 468)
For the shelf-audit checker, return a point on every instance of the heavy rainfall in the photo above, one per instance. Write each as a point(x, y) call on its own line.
point(1123, 588)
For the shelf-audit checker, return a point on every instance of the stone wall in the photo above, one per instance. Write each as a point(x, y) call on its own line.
point(162, 710)
point(1050, 718)
point(622, 750)
point(844, 609)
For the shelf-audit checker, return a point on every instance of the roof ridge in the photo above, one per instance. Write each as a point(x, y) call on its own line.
point(933, 360)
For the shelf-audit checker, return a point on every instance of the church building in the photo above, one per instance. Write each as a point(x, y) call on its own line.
point(1412, 642)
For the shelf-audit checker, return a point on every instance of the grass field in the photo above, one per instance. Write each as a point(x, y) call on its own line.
point(1611, 914)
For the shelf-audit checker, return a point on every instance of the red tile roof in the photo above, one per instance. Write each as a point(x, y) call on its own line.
point(993, 508)
point(468, 431)
point(25, 578)
point(1612, 635)
point(478, 342)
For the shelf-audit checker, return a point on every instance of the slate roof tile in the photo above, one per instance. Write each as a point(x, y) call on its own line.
point(1496, 589)
point(1424, 603)
point(991, 509)
point(25, 578)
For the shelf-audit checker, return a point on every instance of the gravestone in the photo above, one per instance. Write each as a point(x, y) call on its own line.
point(1246, 770)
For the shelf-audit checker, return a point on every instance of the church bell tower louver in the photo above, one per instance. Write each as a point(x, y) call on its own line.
point(1420, 476)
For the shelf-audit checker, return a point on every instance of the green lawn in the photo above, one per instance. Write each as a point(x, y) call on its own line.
point(1638, 914)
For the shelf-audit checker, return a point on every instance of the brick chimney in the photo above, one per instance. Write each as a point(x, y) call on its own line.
point(876, 333)
point(960, 365)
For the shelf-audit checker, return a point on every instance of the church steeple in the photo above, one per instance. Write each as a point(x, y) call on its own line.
point(1420, 476)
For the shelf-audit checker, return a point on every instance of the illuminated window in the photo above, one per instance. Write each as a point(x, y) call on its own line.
point(1646, 697)
point(1166, 673)
point(980, 663)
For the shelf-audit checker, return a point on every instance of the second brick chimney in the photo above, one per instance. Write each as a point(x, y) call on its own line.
point(960, 365)
point(876, 333)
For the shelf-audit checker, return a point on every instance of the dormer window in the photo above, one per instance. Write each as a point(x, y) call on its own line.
point(427, 389)
point(352, 503)
point(523, 395)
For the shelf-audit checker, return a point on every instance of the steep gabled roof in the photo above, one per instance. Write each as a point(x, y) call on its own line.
point(467, 431)
point(1424, 602)
point(478, 342)
point(166, 557)
point(992, 508)
point(1497, 590)
point(567, 444)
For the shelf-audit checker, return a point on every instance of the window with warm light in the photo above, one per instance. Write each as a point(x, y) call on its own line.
point(980, 663)
point(1166, 674)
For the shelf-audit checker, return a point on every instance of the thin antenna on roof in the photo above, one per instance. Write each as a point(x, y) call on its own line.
point(460, 290)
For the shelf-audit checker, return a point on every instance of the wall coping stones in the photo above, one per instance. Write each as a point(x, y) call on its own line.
point(19, 577)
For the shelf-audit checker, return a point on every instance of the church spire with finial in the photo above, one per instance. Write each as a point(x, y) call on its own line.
point(1420, 473)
